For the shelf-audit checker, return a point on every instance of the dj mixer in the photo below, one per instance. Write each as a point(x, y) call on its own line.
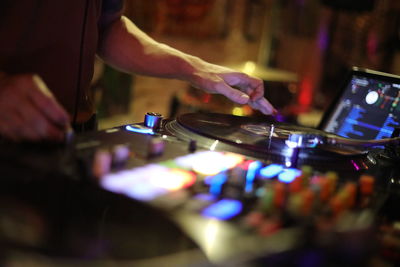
point(248, 192)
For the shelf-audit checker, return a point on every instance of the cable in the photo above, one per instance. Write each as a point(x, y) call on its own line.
point(78, 84)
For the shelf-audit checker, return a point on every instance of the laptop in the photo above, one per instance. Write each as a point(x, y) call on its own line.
point(367, 107)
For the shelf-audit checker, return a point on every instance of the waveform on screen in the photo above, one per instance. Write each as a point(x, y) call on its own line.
point(387, 128)
point(356, 113)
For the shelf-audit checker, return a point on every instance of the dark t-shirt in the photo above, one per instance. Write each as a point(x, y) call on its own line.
point(56, 39)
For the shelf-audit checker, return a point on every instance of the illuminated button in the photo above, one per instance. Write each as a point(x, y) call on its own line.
point(279, 195)
point(267, 201)
point(144, 191)
point(211, 163)
point(173, 179)
point(137, 128)
point(271, 170)
point(366, 184)
point(350, 190)
point(251, 175)
point(307, 200)
point(288, 175)
point(325, 189)
point(332, 178)
point(223, 209)
point(297, 185)
point(216, 182)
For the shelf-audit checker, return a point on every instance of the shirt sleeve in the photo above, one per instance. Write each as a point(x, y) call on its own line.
point(110, 11)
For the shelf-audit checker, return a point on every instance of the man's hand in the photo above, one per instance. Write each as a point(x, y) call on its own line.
point(29, 111)
point(237, 86)
point(125, 46)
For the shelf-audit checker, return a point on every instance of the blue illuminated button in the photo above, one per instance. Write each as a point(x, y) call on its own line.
point(137, 128)
point(223, 209)
point(288, 175)
point(216, 182)
point(251, 175)
point(271, 170)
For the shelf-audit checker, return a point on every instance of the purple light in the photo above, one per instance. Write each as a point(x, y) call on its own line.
point(279, 117)
point(355, 165)
point(323, 38)
point(141, 183)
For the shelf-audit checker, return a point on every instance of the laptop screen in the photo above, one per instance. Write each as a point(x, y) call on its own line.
point(368, 106)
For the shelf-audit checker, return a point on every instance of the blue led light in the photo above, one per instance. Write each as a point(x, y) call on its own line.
point(223, 209)
point(141, 129)
point(271, 170)
point(251, 175)
point(288, 175)
point(216, 183)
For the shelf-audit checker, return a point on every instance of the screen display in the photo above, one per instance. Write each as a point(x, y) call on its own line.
point(368, 108)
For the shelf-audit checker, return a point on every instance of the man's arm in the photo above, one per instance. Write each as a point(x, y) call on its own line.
point(127, 48)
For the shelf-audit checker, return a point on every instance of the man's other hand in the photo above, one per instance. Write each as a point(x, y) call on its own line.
point(29, 111)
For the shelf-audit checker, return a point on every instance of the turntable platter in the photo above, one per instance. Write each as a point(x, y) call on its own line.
point(257, 137)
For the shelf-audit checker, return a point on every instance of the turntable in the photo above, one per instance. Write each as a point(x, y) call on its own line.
point(264, 139)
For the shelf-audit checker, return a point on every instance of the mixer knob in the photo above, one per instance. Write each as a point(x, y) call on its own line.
point(155, 147)
point(192, 146)
point(120, 156)
point(101, 163)
point(153, 120)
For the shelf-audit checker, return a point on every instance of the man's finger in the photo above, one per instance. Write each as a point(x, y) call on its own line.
point(258, 92)
point(236, 79)
point(231, 93)
point(254, 87)
point(264, 106)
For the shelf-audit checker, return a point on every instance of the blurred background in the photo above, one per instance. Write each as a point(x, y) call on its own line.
point(301, 49)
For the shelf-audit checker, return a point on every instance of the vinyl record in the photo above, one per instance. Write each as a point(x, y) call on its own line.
point(258, 137)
